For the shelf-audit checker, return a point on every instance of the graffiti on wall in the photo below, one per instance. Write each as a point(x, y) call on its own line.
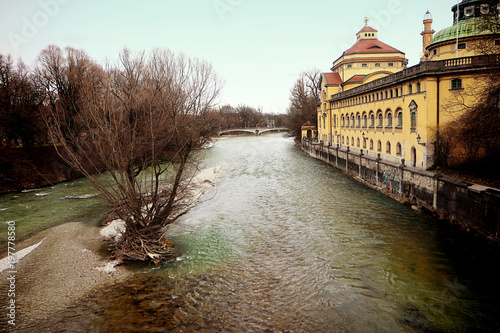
point(392, 182)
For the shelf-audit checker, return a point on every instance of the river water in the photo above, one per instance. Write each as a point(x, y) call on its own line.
point(285, 243)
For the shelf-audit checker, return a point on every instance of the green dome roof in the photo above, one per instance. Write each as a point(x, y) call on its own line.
point(466, 28)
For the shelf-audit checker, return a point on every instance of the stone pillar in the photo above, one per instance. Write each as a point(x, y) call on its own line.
point(347, 160)
point(436, 190)
point(361, 164)
point(378, 170)
point(337, 156)
point(402, 171)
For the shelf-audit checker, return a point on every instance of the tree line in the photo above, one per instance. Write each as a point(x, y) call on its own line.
point(130, 127)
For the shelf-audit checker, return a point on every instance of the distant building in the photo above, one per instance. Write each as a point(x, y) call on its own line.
point(370, 101)
point(309, 130)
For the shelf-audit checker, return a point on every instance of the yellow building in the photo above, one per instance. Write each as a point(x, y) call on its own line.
point(370, 101)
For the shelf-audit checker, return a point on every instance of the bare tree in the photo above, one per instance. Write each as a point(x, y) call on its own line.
point(20, 103)
point(139, 120)
point(304, 97)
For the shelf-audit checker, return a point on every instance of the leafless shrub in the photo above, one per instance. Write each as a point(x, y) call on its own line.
point(130, 128)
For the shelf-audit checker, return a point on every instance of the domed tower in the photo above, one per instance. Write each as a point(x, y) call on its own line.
point(367, 60)
point(469, 27)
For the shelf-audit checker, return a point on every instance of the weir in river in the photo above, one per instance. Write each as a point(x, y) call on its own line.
point(284, 242)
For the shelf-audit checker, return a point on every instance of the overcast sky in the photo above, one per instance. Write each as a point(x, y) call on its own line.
point(258, 47)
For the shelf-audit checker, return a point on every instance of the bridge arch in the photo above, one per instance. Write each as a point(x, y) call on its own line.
point(255, 131)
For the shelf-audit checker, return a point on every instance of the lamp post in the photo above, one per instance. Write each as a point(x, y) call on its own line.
point(419, 139)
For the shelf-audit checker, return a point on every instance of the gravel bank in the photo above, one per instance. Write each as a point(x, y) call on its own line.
point(62, 269)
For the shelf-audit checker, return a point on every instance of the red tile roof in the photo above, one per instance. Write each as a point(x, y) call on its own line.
point(332, 78)
point(357, 78)
point(309, 124)
point(367, 29)
point(370, 46)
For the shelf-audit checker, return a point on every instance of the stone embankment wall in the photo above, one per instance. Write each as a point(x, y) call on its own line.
point(473, 207)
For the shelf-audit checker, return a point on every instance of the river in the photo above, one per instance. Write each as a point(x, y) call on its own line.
point(285, 243)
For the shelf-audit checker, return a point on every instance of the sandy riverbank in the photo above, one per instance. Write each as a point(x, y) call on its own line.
point(63, 268)
point(68, 264)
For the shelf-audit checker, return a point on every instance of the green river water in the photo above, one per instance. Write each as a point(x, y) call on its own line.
point(284, 243)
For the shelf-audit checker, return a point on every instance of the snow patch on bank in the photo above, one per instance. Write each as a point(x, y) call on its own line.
point(114, 230)
point(109, 268)
point(5, 263)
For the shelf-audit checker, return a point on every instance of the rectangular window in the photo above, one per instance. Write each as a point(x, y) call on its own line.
point(349, 66)
point(435, 51)
point(377, 64)
point(485, 9)
point(413, 121)
point(462, 46)
point(456, 84)
point(390, 64)
point(364, 65)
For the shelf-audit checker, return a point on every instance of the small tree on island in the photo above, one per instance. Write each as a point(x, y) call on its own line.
point(130, 129)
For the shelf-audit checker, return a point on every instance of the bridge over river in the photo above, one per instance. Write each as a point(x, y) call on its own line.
point(253, 130)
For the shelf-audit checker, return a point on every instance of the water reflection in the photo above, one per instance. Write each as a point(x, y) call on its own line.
point(286, 237)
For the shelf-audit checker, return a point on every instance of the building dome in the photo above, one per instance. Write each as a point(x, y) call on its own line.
point(466, 28)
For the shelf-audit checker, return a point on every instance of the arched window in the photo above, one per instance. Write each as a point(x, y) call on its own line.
point(353, 123)
point(335, 121)
point(364, 143)
point(418, 87)
point(372, 119)
point(347, 121)
point(388, 147)
point(380, 119)
point(379, 145)
point(398, 149)
point(397, 92)
point(358, 143)
point(400, 119)
point(365, 120)
point(391, 93)
point(343, 140)
point(389, 119)
point(352, 142)
point(410, 89)
point(371, 144)
point(358, 124)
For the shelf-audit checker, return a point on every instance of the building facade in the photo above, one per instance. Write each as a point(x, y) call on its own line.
point(371, 103)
